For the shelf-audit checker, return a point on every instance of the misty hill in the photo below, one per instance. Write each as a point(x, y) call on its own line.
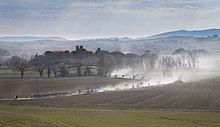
point(195, 33)
point(29, 38)
point(138, 46)
point(189, 40)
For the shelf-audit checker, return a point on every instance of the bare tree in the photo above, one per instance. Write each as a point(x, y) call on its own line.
point(78, 67)
point(1, 62)
point(55, 70)
point(40, 70)
point(19, 63)
point(39, 64)
point(48, 63)
point(48, 71)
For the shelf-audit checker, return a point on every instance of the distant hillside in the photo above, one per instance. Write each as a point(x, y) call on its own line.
point(188, 40)
point(29, 38)
point(138, 46)
point(195, 33)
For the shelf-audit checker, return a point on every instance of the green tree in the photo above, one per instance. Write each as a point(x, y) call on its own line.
point(64, 72)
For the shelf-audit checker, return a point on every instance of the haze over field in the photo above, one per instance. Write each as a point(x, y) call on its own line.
point(113, 63)
point(33, 27)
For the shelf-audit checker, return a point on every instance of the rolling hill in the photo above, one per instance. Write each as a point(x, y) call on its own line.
point(194, 33)
point(29, 38)
point(164, 43)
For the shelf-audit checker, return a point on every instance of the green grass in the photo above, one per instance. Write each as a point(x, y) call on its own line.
point(7, 70)
point(47, 117)
point(14, 70)
point(94, 70)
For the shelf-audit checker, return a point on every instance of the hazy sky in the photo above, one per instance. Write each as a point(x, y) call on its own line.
point(75, 19)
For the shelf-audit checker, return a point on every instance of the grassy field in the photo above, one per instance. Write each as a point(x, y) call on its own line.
point(7, 70)
point(46, 117)
point(14, 70)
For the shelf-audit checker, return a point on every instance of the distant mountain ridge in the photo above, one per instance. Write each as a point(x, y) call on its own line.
point(189, 40)
point(29, 38)
point(183, 33)
point(194, 33)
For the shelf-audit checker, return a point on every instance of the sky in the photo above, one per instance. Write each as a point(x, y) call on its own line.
point(82, 19)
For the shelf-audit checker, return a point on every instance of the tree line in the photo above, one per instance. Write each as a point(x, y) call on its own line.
point(58, 63)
